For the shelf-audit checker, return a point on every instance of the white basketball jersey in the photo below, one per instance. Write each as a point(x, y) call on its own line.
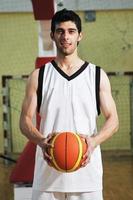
point(68, 103)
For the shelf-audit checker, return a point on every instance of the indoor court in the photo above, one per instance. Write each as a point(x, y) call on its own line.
point(25, 44)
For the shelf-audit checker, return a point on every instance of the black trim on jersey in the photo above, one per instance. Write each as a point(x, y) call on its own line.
point(98, 89)
point(39, 89)
point(69, 78)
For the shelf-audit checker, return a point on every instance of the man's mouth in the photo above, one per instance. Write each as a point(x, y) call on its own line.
point(65, 44)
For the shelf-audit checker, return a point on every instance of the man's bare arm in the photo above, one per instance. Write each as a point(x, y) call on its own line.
point(29, 109)
point(109, 111)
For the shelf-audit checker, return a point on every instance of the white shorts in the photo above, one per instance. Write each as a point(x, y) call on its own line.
point(38, 195)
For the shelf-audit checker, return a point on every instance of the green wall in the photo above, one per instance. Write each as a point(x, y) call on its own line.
point(18, 48)
point(108, 41)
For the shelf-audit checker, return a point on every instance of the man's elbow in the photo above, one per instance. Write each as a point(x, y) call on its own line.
point(116, 125)
point(22, 124)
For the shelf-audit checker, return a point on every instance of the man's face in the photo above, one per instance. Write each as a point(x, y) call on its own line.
point(66, 37)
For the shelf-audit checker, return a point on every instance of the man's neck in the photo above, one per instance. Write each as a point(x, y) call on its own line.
point(69, 64)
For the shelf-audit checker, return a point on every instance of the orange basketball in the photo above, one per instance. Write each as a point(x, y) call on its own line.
point(68, 149)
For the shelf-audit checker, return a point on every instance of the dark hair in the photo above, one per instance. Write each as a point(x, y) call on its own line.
point(63, 16)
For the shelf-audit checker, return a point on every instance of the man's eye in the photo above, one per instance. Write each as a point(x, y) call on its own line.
point(72, 31)
point(59, 31)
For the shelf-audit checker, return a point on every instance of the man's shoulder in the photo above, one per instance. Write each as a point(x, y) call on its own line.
point(93, 67)
point(34, 73)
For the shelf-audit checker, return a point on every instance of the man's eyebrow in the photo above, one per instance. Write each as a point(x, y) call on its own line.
point(74, 29)
point(59, 29)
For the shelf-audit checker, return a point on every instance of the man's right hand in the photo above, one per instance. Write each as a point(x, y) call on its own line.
point(45, 145)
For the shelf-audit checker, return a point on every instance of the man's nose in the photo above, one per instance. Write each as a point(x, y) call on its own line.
point(65, 35)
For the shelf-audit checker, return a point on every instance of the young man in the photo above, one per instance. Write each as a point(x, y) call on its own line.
point(68, 93)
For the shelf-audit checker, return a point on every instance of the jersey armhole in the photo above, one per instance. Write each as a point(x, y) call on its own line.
point(40, 87)
point(98, 89)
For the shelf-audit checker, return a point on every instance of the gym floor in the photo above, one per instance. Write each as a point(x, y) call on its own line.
point(118, 179)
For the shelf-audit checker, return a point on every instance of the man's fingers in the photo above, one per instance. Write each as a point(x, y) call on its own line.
point(85, 162)
point(47, 156)
point(48, 145)
point(50, 135)
point(86, 154)
point(83, 136)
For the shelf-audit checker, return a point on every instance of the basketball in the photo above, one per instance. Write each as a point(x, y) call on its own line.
point(67, 152)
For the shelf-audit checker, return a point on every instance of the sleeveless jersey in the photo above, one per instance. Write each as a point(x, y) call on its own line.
point(68, 103)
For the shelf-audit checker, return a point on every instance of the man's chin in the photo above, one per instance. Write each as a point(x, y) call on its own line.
point(67, 52)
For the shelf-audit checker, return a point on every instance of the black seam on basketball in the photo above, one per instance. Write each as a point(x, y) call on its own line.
point(66, 152)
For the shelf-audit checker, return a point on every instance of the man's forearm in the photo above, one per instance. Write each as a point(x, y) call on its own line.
point(30, 131)
point(109, 128)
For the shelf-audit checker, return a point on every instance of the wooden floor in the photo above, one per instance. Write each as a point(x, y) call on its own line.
point(118, 179)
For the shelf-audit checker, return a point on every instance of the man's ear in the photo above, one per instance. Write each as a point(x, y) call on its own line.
point(52, 35)
point(80, 36)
